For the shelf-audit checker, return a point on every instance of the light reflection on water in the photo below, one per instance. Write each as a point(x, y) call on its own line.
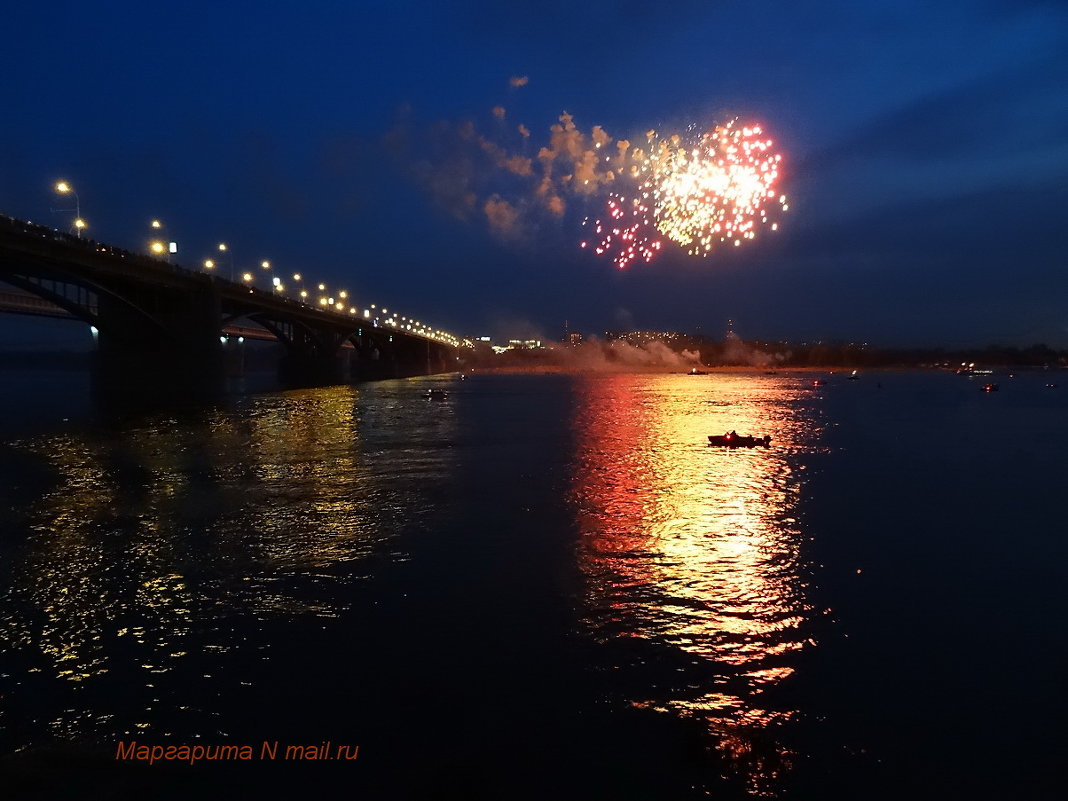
point(695, 549)
point(154, 544)
point(362, 563)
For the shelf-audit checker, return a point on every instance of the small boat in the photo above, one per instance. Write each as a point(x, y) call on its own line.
point(437, 394)
point(733, 440)
point(853, 376)
point(695, 371)
point(989, 387)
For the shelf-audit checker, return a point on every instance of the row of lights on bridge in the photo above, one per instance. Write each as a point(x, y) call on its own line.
point(160, 248)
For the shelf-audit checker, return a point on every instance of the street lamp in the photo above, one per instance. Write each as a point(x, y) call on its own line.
point(156, 246)
point(223, 248)
point(167, 246)
point(64, 188)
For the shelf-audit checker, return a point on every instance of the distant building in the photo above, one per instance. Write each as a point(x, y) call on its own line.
point(643, 337)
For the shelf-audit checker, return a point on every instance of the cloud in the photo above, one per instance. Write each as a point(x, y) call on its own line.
point(518, 80)
point(502, 217)
point(524, 131)
point(1003, 132)
point(498, 112)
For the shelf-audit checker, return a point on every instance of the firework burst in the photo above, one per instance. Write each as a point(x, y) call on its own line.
point(628, 234)
point(714, 188)
point(698, 190)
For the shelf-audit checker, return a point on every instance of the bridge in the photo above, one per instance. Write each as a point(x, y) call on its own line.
point(159, 322)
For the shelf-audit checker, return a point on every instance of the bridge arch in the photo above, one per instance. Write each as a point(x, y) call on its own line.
point(85, 303)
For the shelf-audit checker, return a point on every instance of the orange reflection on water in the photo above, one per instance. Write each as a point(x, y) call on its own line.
point(693, 549)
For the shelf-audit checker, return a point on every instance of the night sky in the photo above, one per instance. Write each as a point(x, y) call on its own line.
point(925, 154)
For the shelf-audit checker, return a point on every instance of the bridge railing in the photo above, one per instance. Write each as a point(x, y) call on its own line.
point(88, 245)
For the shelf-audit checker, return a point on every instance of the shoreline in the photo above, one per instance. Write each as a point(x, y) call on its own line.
point(560, 370)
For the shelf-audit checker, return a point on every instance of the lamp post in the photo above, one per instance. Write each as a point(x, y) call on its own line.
point(64, 188)
point(224, 248)
point(161, 247)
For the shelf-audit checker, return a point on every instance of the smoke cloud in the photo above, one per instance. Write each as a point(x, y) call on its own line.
point(596, 356)
point(502, 216)
point(464, 169)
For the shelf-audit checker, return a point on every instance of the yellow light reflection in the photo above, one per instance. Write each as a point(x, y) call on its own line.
point(695, 548)
point(144, 539)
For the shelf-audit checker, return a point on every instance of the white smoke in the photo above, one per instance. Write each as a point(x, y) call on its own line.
point(620, 356)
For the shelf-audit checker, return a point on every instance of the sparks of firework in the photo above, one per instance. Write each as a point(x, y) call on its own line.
point(715, 187)
point(629, 234)
point(697, 190)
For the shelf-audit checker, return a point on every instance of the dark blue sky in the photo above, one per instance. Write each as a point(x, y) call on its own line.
point(925, 147)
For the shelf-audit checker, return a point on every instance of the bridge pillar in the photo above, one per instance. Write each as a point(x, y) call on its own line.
point(380, 355)
point(314, 361)
point(162, 341)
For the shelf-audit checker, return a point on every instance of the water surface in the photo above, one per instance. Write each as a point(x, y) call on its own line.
point(545, 586)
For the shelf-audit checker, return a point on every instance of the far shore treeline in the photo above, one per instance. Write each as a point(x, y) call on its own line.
point(671, 351)
point(700, 351)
